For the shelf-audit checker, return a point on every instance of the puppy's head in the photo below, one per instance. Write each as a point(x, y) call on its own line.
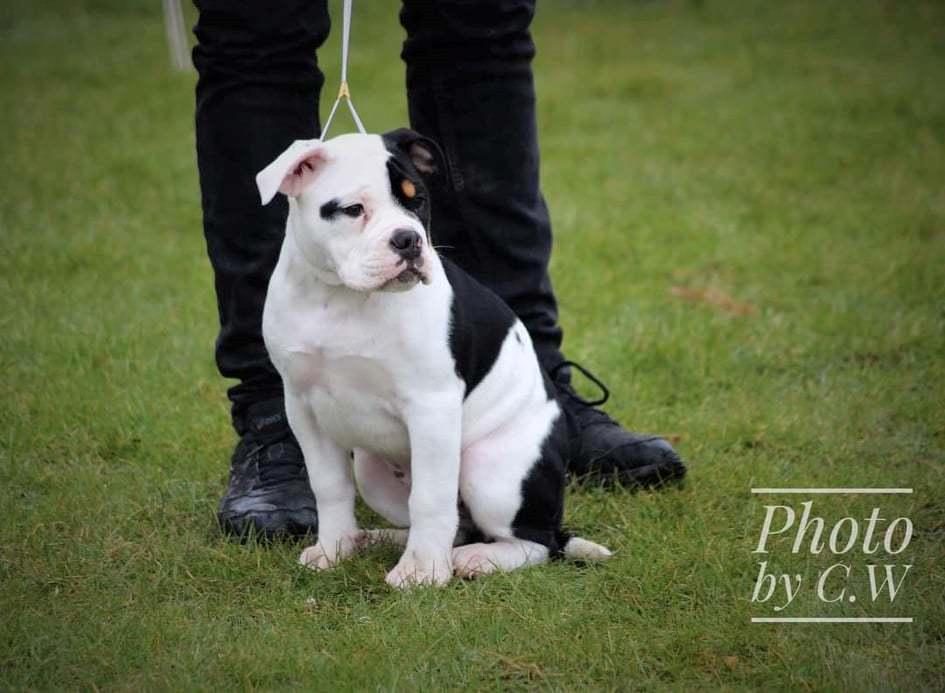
point(359, 206)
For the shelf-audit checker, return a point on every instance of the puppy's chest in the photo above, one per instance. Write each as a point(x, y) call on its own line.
point(350, 387)
point(356, 403)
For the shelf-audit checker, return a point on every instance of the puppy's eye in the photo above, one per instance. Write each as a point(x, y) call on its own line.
point(353, 211)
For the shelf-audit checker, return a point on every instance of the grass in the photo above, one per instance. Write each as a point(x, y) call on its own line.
point(749, 207)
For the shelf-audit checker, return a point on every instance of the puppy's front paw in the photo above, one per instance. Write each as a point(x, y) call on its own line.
point(417, 568)
point(324, 555)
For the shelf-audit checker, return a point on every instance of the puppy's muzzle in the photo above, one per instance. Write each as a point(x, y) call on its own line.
point(407, 243)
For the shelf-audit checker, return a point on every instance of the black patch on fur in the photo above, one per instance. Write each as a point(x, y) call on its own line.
point(330, 209)
point(542, 510)
point(479, 323)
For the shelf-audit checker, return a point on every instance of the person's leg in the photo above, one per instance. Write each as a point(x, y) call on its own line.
point(470, 88)
point(257, 91)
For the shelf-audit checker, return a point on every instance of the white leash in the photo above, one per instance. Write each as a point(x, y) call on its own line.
point(176, 36)
point(343, 92)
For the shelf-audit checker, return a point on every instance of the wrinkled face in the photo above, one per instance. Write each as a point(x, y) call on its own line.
point(360, 210)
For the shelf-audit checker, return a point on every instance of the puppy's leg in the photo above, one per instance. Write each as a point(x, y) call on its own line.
point(386, 493)
point(502, 555)
point(329, 473)
point(434, 429)
point(513, 484)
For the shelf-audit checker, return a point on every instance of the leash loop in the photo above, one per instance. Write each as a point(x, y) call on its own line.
point(344, 93)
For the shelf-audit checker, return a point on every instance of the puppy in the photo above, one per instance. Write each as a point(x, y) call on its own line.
point(403, 376)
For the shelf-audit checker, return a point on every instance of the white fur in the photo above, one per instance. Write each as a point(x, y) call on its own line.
point(583, 550)
point(366, 364)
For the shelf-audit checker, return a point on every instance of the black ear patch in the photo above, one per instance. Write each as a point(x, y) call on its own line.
point(423, 153)
point(422, 157)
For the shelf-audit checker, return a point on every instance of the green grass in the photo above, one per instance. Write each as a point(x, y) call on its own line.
point(788, 156)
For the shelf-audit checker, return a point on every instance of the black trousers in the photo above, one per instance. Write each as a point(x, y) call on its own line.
point(469, 87)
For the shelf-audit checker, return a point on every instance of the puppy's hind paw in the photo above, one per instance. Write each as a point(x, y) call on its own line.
point(473, 560)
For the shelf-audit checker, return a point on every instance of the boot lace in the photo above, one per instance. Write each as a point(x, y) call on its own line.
point(586, 413)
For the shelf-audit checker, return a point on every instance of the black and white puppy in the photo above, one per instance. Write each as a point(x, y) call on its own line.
point(395, 356)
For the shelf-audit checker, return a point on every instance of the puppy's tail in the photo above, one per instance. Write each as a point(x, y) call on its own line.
point(579, 549)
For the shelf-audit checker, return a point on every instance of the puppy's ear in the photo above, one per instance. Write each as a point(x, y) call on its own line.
point(292, 170)
point(424, 153)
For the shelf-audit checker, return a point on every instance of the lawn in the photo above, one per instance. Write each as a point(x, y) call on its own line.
point(749, 206)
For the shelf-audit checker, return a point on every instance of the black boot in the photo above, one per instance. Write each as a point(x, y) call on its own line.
point(604, 452)
point(269, 495)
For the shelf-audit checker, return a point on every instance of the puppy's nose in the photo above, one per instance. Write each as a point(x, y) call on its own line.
point(406, 243)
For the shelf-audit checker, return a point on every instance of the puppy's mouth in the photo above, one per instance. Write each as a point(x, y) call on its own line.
point(409, 275)
point(412, 272)
point(407, 278)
